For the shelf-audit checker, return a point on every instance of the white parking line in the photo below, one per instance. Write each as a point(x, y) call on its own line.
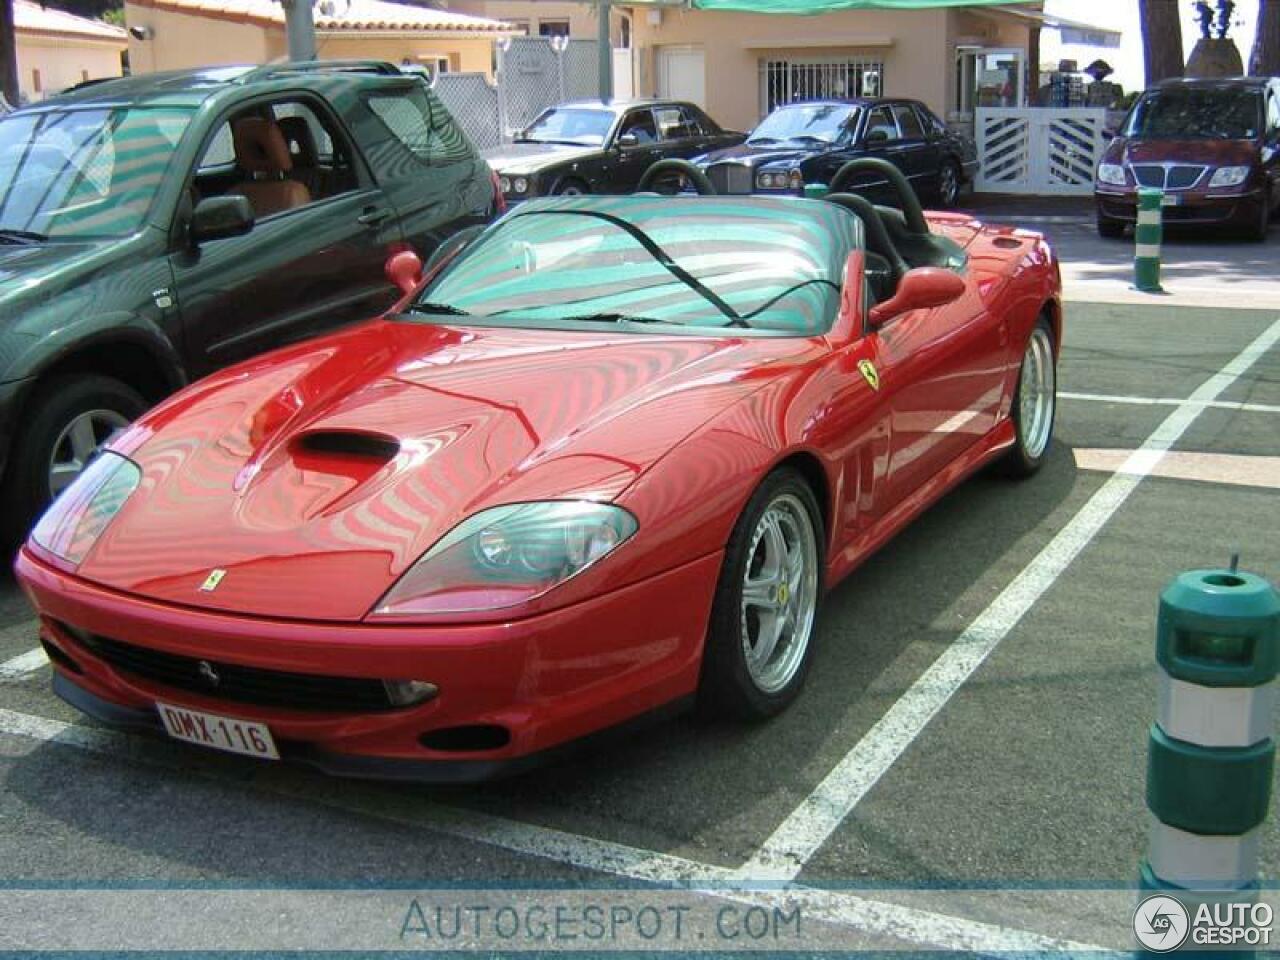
point(1169, 402)
point(23, 664)
point(808, 827)
point(876, 917)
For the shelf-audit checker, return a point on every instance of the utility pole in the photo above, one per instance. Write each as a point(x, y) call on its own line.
point(8, 54)
point(299, 27)
point(604, 44)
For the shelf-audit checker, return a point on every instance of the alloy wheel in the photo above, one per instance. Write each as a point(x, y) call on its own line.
point(78, 443)
point(1037, 394)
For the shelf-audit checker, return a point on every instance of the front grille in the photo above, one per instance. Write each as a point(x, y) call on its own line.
point(241, 684)
point(730, 178)
point(1169, 176)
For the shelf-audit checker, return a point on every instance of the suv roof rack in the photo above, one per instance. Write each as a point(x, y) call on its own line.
point(266, 71)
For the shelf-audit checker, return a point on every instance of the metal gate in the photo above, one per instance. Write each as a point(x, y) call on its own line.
point(1050, 152)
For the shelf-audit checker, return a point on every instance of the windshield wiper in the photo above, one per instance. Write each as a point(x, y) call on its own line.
point(8, 235)
point(447, 309)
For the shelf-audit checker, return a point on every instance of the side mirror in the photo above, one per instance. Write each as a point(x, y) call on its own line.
point(218, 217)
point(628, 140)
point(404, 269)
point(919, 289)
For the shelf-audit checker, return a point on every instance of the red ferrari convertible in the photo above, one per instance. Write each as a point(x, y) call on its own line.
point(604, 458)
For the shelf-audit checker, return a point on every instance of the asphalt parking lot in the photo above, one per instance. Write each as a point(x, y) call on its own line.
point(976, 714)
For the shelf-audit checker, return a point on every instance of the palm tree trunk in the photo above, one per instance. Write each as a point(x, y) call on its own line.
point(1265, 59)
point(1161, 39)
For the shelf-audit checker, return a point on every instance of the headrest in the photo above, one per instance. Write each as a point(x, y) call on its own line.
point(300, 141)
point(260, 146)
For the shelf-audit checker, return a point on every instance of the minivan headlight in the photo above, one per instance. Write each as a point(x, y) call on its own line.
point(1112, 173)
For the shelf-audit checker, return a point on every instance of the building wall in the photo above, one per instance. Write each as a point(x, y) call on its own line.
point(467, 55)
point(581, 16)
point(179, 41)
point(912, 44)
point(62, 62)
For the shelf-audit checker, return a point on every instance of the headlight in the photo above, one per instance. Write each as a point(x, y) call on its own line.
point(795, 180)
point(73, 523)
point(506, 556)
point(1229, 176)
point(505, 184)
point(765, 181)
point(1111, 173)
point(520, 185)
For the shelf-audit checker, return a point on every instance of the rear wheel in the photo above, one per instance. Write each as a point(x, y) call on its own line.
point(759, 642)
point(71, 418)
point(1035, 403)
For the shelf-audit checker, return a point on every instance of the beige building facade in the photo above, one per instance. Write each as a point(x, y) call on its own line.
point(56, 50)
point(180, 34)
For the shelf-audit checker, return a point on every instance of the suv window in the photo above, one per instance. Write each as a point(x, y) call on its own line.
point(880, 119)
point(908, 122)
point(421, 124)
point(1273, 114)
point(701, 121)
point(673, 124)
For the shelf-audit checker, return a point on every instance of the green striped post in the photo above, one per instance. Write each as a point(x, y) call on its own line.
point(1211, 751)
point(816, 191)
point(1147, 236)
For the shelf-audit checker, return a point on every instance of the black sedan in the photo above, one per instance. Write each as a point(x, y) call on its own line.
point(593, 147)
point(808, 142)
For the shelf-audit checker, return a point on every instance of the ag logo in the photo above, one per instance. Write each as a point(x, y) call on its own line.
point(869, 373)
point(1161, 923)
point(212, 580)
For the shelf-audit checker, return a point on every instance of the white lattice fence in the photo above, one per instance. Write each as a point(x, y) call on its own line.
point(473, 102)
point(1038, 151)
point(529, 80)
point(580, 67)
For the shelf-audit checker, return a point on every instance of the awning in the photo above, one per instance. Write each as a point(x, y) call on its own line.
point(1072, 31)
point(810, 7)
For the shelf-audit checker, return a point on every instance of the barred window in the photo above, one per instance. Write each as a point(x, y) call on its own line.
point(791, 81)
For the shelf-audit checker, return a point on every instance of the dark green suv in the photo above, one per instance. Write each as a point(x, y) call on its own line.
point(154, 228)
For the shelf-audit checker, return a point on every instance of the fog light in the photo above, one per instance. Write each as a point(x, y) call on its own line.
point(408, 693)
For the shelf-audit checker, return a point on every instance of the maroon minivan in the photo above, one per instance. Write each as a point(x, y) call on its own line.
point(1212, 146)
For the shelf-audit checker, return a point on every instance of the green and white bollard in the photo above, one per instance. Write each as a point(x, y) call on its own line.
point(1147, 236)
point(816, 191)
point(1211, 751)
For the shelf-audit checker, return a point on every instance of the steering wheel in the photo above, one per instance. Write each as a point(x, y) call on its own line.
point(907, 198)
point(878, 240)
point(672, 166)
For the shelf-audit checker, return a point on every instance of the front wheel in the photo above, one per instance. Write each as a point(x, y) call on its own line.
point(1035, 403)
point(571, 187)
point(949, 185)
point(1107, 227)
point(70, 419)
point(762, 621)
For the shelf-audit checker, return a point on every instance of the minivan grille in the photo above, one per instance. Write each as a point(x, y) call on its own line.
point(730, 178)
point(1168, 177)
point(241, 684)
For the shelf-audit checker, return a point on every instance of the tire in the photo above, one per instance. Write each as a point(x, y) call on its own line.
point(732, 683)
point(571, 187)
point(1258, 230)
point(1107, 227)
point(1033, 415)
point(949, 183)
point(105, 404)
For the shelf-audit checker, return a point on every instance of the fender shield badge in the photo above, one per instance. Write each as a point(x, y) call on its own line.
point(869, 373)
point(212, 580)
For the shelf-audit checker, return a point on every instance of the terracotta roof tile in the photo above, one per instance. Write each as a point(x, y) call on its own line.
point(29, 17)
point(354, 15)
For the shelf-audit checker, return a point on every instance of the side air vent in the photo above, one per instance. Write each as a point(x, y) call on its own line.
point(347, 443)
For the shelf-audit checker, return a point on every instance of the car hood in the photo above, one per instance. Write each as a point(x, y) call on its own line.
point(756, 157)
point(315, 477)
point(1217, 153)
point(521, 159)
point(26, 266)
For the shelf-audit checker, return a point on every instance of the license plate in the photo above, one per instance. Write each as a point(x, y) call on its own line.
point(1170, 200)
point(220, 733)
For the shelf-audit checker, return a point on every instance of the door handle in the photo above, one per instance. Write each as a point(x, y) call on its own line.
point(373, 217)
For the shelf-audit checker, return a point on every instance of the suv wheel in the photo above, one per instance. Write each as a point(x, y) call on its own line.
point(1107, 227)
point(71, 418)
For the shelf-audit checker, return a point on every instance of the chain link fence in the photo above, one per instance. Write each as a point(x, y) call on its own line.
point(533, 73)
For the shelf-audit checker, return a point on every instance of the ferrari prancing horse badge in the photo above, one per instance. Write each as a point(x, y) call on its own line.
point(869, 373)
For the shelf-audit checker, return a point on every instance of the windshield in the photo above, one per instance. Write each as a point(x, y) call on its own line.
point(84, 173)
point(587, 127)
point(710, 265)
point(1196, 114)
point(825, 122)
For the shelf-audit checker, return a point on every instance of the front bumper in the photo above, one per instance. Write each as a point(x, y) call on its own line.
point(1192, 207)
point(547, 680)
